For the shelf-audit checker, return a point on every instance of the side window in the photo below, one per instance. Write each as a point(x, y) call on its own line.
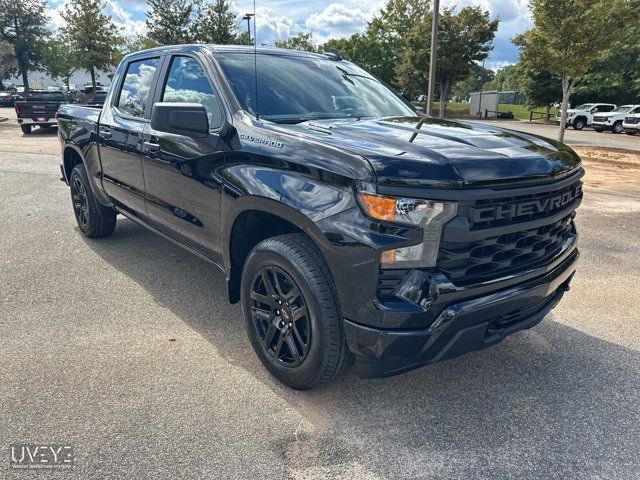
point(635, 110)
point(187, 82)
point(606, 108)
point(135, 87)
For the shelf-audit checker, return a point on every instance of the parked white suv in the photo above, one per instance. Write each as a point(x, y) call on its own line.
point(631, 124)
point(582, 116)
point(613, 120)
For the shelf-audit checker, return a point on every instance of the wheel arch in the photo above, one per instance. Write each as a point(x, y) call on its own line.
point(71, 156)
point(253, 219)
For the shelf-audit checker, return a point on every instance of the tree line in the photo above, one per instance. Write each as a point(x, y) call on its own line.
point(89, 40)
point(583, 50)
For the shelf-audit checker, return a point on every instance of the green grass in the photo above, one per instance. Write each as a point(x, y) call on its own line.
point(521, 112)
point(461, 110)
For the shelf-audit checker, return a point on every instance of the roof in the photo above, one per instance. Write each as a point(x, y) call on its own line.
point(249, 49)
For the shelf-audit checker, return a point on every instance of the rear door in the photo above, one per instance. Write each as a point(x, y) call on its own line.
point(120, 133)
point(183, 190)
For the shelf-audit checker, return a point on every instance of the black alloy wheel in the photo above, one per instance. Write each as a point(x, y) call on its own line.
point(292, 312)
point(280, 316)
point(94, 220)
point(80, 203)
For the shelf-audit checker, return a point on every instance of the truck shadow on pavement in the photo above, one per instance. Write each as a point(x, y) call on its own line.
point(548, 402)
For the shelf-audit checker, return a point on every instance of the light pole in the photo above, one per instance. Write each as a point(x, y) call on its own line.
point(434, 52)
point(247, 17)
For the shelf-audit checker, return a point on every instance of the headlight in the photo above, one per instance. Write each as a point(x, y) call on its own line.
point(430, 215)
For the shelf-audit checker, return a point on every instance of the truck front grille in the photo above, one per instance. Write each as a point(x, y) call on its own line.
point(600, 119)
point(632, 120)
point(497, 256)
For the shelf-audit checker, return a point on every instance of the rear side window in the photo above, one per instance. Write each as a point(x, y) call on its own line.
point(605, 108)
point(135, 87)
point(187, 82)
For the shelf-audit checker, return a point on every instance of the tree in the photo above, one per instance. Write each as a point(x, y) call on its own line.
point(464, 38)
point(505, 79)
point(216, 23)
point(59, 59)
point(476, 80)
point(554, 45)
point(615, 76)
point(131, 44)
point(302, 41)
point(23, 26)
point(93, 36)
point(171, 22)
point(8, 62)
point(387, 36)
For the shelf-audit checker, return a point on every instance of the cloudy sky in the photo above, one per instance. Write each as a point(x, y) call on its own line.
point(278, 19)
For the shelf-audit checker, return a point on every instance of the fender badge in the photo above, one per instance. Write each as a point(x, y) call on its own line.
point(261, 141)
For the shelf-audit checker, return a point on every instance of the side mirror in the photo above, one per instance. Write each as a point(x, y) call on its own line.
point(188, 119)
point(594, 110)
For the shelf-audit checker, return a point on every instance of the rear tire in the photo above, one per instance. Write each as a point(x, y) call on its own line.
point(26, 129)
point(94, 220)
point(289, 300)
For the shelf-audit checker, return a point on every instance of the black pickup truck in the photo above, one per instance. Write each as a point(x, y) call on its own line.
point(349, 226)
point(39, 109)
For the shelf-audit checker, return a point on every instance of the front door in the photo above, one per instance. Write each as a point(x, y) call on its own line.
point(182, 186)
point(120, 136)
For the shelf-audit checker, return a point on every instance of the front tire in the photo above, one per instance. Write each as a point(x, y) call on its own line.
point(579, 124)
point(291, 309)
point(94, 220)
point(617, 127)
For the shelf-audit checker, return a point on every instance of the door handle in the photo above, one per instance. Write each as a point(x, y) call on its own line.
point(105, 132)
point(151, 146)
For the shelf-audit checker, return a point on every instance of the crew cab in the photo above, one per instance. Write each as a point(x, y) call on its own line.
point(631, 124)
point(39, 109)
point(613, 120)
point(582, 115)
point(348, 226)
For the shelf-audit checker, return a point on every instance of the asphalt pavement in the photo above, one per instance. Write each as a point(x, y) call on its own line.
point(588, 136)
point(126, 349)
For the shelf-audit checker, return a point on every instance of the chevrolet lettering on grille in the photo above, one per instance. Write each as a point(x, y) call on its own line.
point(524, 208)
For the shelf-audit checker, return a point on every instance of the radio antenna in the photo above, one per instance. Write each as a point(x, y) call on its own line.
point(255, 57)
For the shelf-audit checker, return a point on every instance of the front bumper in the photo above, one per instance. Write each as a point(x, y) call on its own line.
point(463, 326)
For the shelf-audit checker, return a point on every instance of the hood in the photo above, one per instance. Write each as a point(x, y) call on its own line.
point(444, 153)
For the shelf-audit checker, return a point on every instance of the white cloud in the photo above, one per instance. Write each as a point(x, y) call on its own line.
point(337, 20)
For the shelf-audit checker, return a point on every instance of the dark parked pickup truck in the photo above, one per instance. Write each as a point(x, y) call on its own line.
point(349, 226)
point(39, 109)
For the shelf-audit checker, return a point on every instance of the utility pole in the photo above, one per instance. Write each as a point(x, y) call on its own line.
point(434, 53)
point(247, 17)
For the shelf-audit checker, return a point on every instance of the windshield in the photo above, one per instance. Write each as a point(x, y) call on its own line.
point(47, 97)
point(294, 89)
point(623, 109)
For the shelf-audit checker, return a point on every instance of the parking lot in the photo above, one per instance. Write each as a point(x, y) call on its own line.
point(127, 349)
point(588, 136)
